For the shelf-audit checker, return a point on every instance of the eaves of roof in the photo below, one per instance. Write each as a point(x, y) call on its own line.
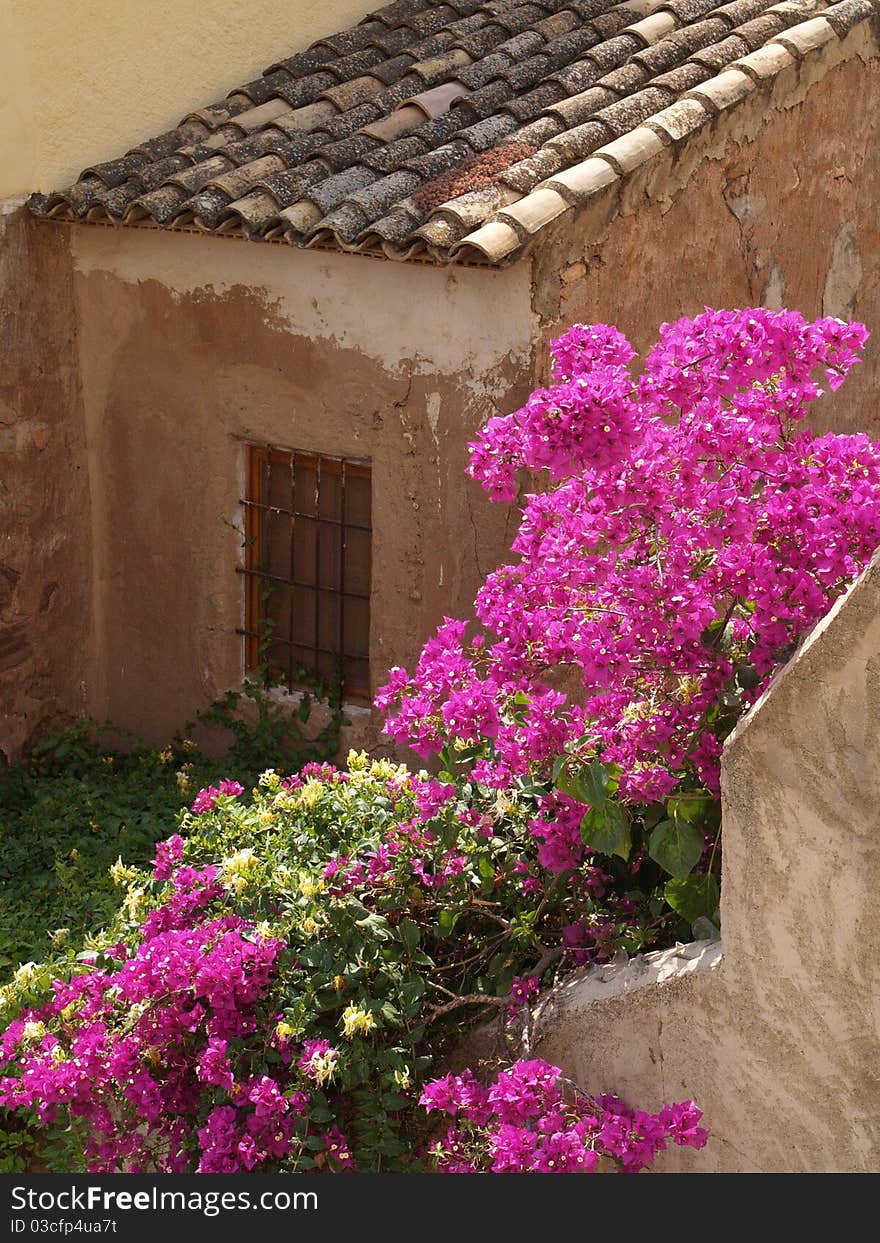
point(454, 131)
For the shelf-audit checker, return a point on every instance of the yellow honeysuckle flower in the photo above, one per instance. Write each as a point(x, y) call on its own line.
point(239, 863)
point(503, 804)
point(356, 1021)
point(311, 793)
point(687, 688)
point(322, 1065)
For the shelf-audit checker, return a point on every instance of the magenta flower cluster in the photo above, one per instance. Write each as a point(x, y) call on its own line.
point(130, 1049)
point(523, 1122)
point(206, 800)
point(691, 533)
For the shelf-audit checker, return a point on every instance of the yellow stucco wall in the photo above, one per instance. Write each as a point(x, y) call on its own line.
point(83, 82)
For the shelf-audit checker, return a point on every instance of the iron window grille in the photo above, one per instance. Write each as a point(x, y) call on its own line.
point(308, 537)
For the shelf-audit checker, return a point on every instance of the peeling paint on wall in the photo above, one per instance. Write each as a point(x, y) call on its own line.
point(408, 317)
point(773, 293)
point(844, 277)
point(189, 346)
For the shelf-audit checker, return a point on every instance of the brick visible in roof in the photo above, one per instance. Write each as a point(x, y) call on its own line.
point(462, 128)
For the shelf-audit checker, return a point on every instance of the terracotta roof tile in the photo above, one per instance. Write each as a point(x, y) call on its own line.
point(461, 128)
point(388, 157)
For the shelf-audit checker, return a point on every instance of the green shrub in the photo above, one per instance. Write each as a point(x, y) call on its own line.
point(378, 911)
point(91, 794)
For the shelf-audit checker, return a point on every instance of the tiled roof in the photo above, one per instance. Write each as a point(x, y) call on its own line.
point(454, 129)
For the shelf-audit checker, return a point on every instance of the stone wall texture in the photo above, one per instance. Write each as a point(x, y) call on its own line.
point(45, 539)
point(774, 204)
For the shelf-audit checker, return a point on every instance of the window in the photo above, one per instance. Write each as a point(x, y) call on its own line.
point(307, 568)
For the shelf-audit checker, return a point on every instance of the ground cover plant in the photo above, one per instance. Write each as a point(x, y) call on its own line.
point(279, 990)
point(91, 793)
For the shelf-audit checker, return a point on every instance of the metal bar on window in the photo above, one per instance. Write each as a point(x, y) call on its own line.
point(269, 501)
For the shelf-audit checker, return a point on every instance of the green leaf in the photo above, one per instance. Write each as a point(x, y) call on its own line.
point(409, 933)
point(676, 846)
point(593, 783)
point(376, 924)
point(412, 990)
point(394, 1101)
point(606, 828)
point(652, 815)
point(747, 677)
point(565, 780)
point(446, 921)
point(558, 764)
point(391, 1014)
point(704, 929)
point(690, 805)
point(693, 897)
point(486, 868)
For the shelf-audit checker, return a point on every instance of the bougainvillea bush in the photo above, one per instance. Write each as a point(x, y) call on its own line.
point(277, 989)
point(690, 532)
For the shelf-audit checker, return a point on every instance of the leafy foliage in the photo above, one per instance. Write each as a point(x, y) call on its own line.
point(274, 993)
point(92, 793)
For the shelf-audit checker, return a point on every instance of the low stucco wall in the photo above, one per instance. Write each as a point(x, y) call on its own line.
point(777, 1038)
point(83, 81)
point(774, 204)
point(189, 347)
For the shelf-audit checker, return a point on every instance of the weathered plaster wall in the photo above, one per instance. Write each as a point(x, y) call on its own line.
point(84, 81)
point(774, 204)
point(45, 550)
point(778, 1042)
point(190, 346)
